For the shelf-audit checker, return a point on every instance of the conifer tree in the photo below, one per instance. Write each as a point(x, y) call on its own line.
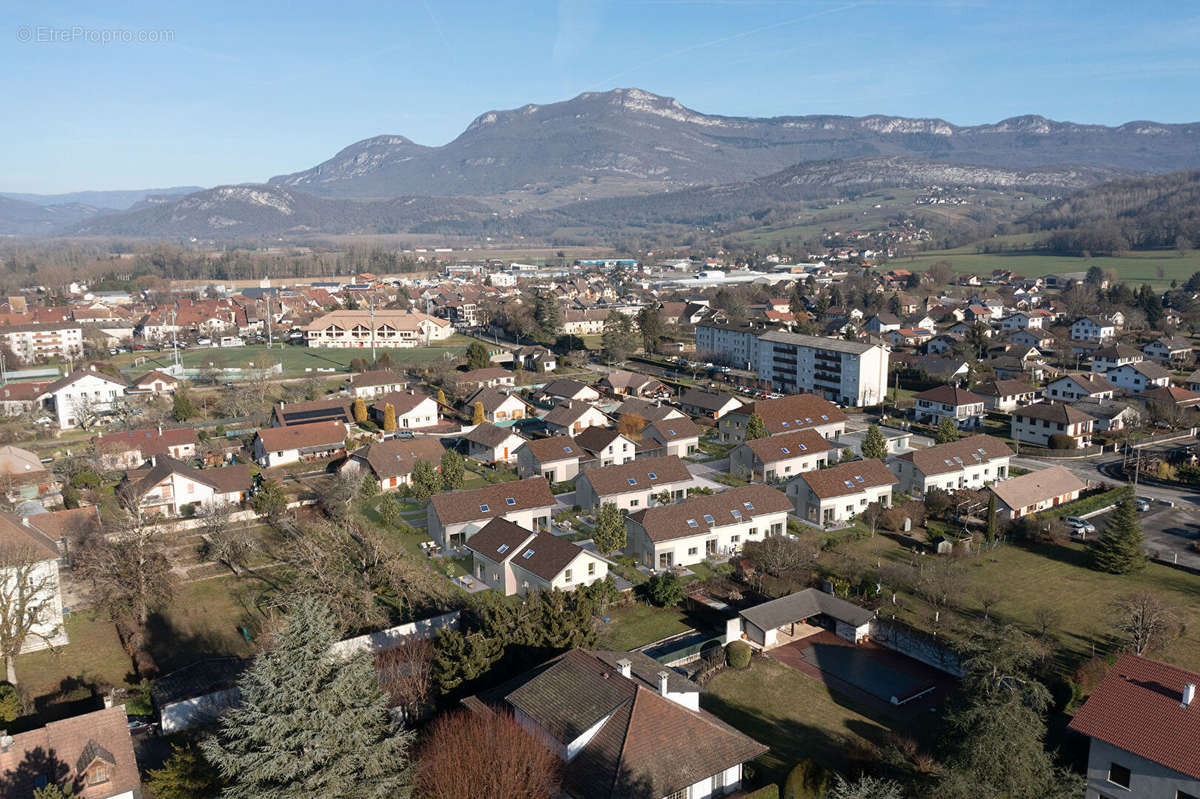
point(1120, 549)
point(609, 532)
point(477, 414)
point(425, 481)
point(453, 471)
point(310, 724)
point(389, 417)
point(756, 428)
point(993, 526)
point(360, 410)
point(874, 444)
point(441, 397)
point(946, 432)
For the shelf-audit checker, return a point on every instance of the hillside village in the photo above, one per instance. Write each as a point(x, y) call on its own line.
point(698, 528)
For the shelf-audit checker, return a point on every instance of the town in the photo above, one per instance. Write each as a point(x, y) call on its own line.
point(622, 525)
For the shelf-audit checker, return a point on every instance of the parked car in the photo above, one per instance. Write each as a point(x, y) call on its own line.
point(1142, 504)
point(1080, 525)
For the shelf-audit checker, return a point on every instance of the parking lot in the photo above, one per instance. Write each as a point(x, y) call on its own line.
point(1169, 532)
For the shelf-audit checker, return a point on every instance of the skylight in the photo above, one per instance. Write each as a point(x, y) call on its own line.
point(528, 554)
point(509, 501)
point(692, 523)
point(484, 508)
point(825, 416)
point(804, 447)
point(748, 505)
point(849, 484)
point(785, 450)
point(632, 481)
point(708, 518)
point(807, 419)
point(785, 424)
point(858, 478)
point(502, 548)
point(652, 475)
point(735, 513)
point(567, 450)
point(670, 432)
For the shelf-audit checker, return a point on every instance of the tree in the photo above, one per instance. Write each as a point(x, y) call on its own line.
point(650, 324)
point(780, 555)
point(618, 339)
point(1144, 621)
point(360, 410)
point(425, 480)
point(453, 470)
point(506, 761)
point(865, 787)
point(993, 525)
point(808, 779)
point(10, 702)
point(478, 415)
point(548, 315)
point(389, 417)
point(406, 677)
point(28, 596)
point(756, 428)
point(389, 511)
point(54, 790)
point(1119, 550)
point(269, 501)
point(631, 425)
point(310, 723)
point(664, 589)
point(938, 502)
point(441, 397)
point(478, 356)
point(185, 775)
point(874, 445)
point(226, 542)
point(182, 407)
point(946, 431)
point(609, 532)
point(872, 515)
point(129, 573)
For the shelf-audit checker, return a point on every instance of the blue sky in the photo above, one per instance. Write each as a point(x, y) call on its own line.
point(243, 91)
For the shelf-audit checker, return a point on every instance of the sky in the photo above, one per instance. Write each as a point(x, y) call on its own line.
point(128, 95)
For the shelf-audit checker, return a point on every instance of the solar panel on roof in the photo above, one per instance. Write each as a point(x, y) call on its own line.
point(484, 508)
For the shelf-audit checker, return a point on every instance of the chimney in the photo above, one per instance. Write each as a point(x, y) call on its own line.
point(153, 461)
point(160, 429)
point(662, 682)
point(1189, 693)
point(625, 666)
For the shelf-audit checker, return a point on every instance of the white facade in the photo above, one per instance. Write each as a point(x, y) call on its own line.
point(1088, 329)
point(90, 393)
point(737, 345)
point(843, 372)
point(32, 343)
point(688, 550)
point(1131, 378)
point(833, 510)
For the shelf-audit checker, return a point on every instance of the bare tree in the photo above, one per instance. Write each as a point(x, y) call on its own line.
point(28, 594)
point(226, 541)
point(86, 411)
point(505, 759)
point(781, 554)
point(1144, 621)
point(941, 583)
point(406, 676)
point(128, 572)
point(1047, 616)
point(988, 595)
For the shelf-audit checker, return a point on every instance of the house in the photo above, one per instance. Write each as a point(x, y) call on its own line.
point(909, 336)
point(130, 449)
point(1112, 415)
point(23, 476)
point(376, 328)
point(1033, 338)
point(557, 390)
point(632, 485)
point(413, 411)
point(942, 344)
point(154, 383)
point(705, 526)
point(947, 370)
point(1090, 328)
point(969, 463)
point(839, 493)
point(370, 384)
point(23, 542)
point(681, 437)
point(489, 377)
point(963, 407)
point(1138, 377)
point(325, 410)
point(1070, 388)
point(1111, 357)
point(79, 398)
point(498, 406)
point(648, 411)
point(572, 417)
point(1193, 381)
point(780, 457)
point(18, 399)
point(1169, 349)
point(882, 322)
point(276, 446)
point(453, 517)
point(633, 384)
point(92, 752)
point(508, 558)
point(1038, 424)
point(640, 734)
point(1144, 732)
point(535, 359)
point(167, 487)
point(391, 462)
point(490, 444)
point(556, 458)
point(1005, 395)
point(1170, 396)
point(711, 404)
point(606, 446)
point(1036, 491)
point(785, 415)
point(788, 618)
point(1022, 321)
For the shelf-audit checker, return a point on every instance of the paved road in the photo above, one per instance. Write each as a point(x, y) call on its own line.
point(1089, 469)
point(1169, 533)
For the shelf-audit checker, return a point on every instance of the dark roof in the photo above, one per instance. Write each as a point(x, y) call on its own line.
point(70, 745)
point(646, 409)
point(555, 448)
point(402, 402)
point(1052, 412)
point(294, 413)
point(1170, 394)
point(16, 534)
point(563, 388)
point(491, 398)
point(691, 517)
point(496, 535)
point(795, 412)
point(848, 478)
point(706, 400)
point(467, 506)
point(151, 441)
point(225, 479)
point(1091, 383)
point(542, 554)
point(609, 480)
point(594, 438)
point(1138, 707)
point(487, 434)
point(788, 445)
point(375, 377)
point(802, 605)
point(1030, 489)
point(396, 457)
point(567, 412)
point(301, 436)
point(1004, 388)
point(957, 455)
point(950, 395)
point(676, 429)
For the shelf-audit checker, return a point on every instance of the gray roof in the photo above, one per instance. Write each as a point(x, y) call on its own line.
point(802, 605)
point(818, 342)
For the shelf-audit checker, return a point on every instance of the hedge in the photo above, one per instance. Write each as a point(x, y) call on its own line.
point(767, 792)
point(737, 654)
point(1087, 504)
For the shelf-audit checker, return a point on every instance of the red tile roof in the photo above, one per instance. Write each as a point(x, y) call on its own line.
point(848, 478)
point(732, 506)
point(796, 412)
point(299, 436)
point(467, 506)
point(1137, 707)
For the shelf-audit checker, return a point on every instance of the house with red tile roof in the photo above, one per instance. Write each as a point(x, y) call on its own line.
point(841, 492)
point(91, 753)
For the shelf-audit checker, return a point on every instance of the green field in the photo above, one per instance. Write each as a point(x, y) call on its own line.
point(296, 361)
point(637, 625)
point(1158, 267)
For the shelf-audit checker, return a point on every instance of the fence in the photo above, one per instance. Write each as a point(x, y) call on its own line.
point(1064, 454)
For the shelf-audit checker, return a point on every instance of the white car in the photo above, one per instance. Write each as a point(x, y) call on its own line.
point(1081, 525)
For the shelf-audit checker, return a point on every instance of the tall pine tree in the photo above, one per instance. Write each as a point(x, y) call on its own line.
point(874, 444)
point(310, 724)
point(755, 428)
point(1120, 549)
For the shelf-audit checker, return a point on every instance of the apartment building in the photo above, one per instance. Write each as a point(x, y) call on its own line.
point(735, 344)
point(969, 463)
point(845, 372)
point(39, 342)
point(382, 328)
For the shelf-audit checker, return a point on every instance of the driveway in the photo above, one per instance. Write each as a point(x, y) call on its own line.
point(703, 473)
point(1169, 533)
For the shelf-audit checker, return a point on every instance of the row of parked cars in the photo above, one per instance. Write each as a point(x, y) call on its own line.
point(1081, 528)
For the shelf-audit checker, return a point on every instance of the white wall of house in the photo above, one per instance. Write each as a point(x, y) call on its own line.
point(974, 475)
point(835, 509)
point(424, 414)
point(1131, 379)
point(554, 471)
point(632, 500)
point(686, 550)
point(1148, 780)
point(1039, 431)
point(459, 532)
point(743, 462)
point(48, 630)
point(968, 416)
point(620, 450)
point(91, 391)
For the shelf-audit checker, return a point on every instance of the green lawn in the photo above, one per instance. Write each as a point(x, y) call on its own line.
point(795, 715)
point(93, 660)
point(1135, 267)
point(637, 625)
point(204, 619)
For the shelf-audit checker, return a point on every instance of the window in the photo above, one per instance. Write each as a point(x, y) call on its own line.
point(1119, 775)
point(753, 531)
point(632, 481)
point(591, 568)
point(652, 475)
point(748, 505)
point(528, 554)
point(681, 794)
point(484, 509)
point(785, 450)
point(567, 450)
point(567, 575)
point(708, 518)
point(502, 548)
point(691, 550)
point(97, 774)
point(692, 523)
point(633, 503)
point(735, 513)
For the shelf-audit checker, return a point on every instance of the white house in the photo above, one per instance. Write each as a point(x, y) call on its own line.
point(965, 408)
point(632, 485)
point(572, 417)
point(129, 449)
point(555, 458)
point(490, 444)
point(788, 618)
point(839, 493)
point(498, 406)
point(607, 446)
point(1107, 358)
point(1090, 328)
point(785, 415)
point(681, 437)
point(413, 411)
point(1070, 388)
point(79, 398)
point(379, 328)
point(704, 526)
point(391, 462)
point(969, 463)
point(1169, 349)
point(781, 457)
point(277, 446)
point(1035, 492)
point(373, 383)
point(1005, 395)
point(1138, 377)
point(697, 402)
point(557, 390)
point(1039, 423)
point(24, 543)
point(453, 517)
point(508, 558)
point(1021, 321)
point(168, 487)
